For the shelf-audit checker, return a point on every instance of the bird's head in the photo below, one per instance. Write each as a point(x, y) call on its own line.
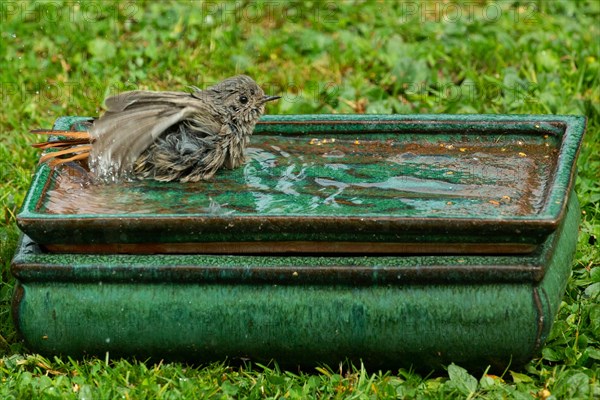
point(240, 98)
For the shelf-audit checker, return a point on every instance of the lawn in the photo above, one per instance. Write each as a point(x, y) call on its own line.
point(525, 57)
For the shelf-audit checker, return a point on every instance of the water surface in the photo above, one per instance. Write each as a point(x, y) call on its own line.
point(338, 175)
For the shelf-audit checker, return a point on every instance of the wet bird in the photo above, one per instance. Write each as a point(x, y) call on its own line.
point(166, 136)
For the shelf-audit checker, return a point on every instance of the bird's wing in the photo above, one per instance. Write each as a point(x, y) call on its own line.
point(133, 121)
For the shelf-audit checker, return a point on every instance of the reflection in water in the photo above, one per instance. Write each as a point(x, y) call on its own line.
point(296, 175)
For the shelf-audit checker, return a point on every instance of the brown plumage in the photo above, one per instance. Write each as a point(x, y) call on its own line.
point(167, 136)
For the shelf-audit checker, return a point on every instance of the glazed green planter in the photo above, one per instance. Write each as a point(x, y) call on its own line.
point(395, 240)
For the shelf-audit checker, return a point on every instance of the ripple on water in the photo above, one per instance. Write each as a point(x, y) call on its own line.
point(300, 176)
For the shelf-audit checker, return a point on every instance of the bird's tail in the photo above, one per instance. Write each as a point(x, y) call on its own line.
point(71, 146)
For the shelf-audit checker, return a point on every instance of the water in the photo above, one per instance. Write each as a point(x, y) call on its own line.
point(336, 176)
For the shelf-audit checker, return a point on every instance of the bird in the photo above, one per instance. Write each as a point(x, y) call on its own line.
point(166, 135)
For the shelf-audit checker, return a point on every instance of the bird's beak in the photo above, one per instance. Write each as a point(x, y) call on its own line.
point(269, 98)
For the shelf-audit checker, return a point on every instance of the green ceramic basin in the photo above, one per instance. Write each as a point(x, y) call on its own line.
point(395, 240)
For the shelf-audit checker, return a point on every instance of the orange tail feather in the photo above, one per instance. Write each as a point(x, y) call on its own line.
point(67, 134)
point(58, 161)
point(70, 150)
point(59, 143)
point(74, 146)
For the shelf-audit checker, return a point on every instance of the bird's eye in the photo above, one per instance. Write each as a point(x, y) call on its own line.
point(243, 99)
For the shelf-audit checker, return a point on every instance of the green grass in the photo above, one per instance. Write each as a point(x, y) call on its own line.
point(58, 58)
